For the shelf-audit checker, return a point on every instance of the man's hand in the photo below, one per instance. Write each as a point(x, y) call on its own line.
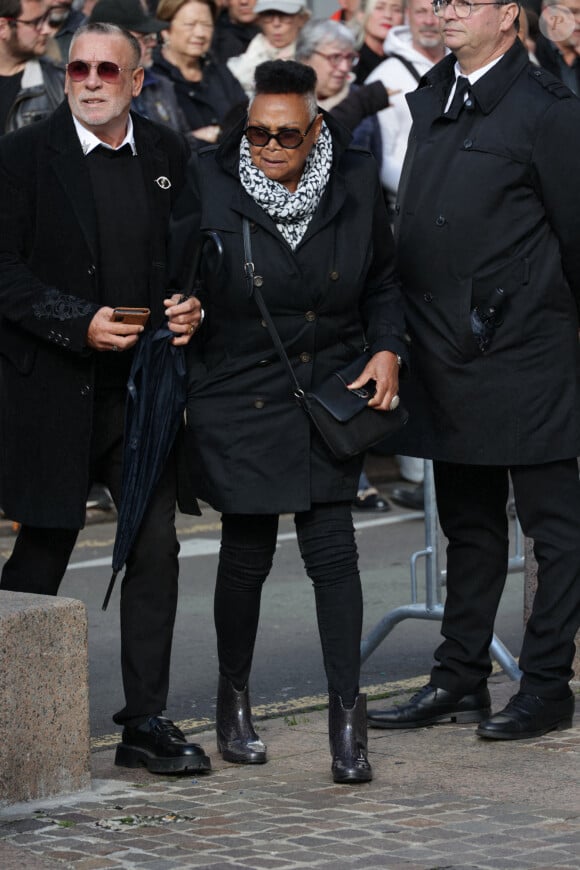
point(382, 368)
point(183, 317)
point(106, 334)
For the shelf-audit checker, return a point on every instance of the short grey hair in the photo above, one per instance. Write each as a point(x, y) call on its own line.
point(103, 28)
point(320, 32)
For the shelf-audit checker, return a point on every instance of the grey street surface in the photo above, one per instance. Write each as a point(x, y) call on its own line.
point(441, 798)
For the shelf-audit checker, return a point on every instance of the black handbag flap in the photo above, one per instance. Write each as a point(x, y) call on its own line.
point(342, 403)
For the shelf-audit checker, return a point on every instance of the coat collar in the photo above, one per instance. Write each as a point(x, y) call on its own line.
point(227, 157)
point(430, 96)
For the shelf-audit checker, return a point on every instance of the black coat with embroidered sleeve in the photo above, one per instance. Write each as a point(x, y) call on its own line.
point(49, 292)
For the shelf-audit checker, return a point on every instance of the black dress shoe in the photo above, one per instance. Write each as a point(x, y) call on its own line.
point(528, 716)
point(410, 498)
point(161, 747)
point(431, 705)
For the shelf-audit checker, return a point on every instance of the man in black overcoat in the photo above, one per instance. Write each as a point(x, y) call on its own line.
point(489, 252)
point(85, 199)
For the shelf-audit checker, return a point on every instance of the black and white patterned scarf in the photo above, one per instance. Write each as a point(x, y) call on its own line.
point(291, 212)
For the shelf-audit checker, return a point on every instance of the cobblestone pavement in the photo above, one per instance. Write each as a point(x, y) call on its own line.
point(441, 799)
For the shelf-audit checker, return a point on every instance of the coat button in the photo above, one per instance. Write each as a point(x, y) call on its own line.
point(258, 281)
point(264, 362)
point(333, 276)
point(92, 269)
point(85, 390)
point(310, 316)
point(428, 297)
point(264, 324)
point(305, 357)
point(253, 226)
point(259, 404)
point(467, 144)
point(440, 221)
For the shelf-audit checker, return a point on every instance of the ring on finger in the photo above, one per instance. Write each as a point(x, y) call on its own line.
point(191, 329)
point(394, 403)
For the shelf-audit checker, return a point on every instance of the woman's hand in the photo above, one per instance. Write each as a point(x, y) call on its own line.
point(382, 368)
point(183, 317)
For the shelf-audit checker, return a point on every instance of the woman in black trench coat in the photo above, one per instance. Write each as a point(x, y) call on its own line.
point(322, 245)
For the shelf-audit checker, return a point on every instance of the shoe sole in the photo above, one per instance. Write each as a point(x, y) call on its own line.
point(352, 778)
point(234, 758)
point(128, 756)
point(563, 725)
point(465, 717)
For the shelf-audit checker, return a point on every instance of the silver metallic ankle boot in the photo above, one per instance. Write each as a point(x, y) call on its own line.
point(347, 729)
point(236, 739)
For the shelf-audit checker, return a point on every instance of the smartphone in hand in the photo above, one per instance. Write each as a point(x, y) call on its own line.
point(133, 316)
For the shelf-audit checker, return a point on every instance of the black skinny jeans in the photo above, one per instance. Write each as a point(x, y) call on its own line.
point(326, 540)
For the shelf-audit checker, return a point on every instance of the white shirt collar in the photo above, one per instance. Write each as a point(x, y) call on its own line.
point(472, 78)
point(89, 141)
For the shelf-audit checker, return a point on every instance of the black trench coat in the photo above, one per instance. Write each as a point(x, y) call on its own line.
point(251, 445)
point(492, 200)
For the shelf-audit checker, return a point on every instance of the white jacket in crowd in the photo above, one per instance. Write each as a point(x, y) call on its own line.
point(395, 121)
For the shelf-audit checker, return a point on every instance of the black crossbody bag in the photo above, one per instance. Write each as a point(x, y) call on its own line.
point(341, 416)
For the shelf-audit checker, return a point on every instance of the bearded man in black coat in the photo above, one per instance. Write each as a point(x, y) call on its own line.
point(85, 199)
point(489, 254)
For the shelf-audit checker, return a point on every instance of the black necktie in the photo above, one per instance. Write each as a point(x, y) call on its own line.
point(458, 101)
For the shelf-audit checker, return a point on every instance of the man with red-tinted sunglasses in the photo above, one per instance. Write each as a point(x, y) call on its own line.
point(85, 199)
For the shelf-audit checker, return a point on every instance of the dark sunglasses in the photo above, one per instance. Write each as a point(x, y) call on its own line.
point(259, 136)
point(107, 71)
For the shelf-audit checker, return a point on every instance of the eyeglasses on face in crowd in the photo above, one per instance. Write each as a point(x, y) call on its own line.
point(35, 23)
point(286, 138)
point(338, 57)
point(462, 8)
point(107, 71)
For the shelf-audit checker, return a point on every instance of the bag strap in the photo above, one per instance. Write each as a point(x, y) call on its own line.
point(254, 283)
point(408, 65)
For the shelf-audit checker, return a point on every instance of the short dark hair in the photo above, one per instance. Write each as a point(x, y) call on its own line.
point(10, 8)
point(103, 28)
point(285, 77)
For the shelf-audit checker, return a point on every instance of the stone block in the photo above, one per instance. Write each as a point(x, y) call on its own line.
point(44, 698)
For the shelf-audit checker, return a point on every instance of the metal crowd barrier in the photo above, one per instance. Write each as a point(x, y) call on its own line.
point(432, 607)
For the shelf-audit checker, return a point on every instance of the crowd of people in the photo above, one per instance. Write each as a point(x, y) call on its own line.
point(284, 149)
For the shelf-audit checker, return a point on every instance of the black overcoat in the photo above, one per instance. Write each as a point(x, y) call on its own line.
point(491, 200)
point(252, 448)
point(49, 292)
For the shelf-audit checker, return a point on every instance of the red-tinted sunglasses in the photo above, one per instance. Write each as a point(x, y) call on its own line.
point(107, 71)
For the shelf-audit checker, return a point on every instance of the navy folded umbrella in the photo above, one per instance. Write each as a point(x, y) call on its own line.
point(157, 392)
